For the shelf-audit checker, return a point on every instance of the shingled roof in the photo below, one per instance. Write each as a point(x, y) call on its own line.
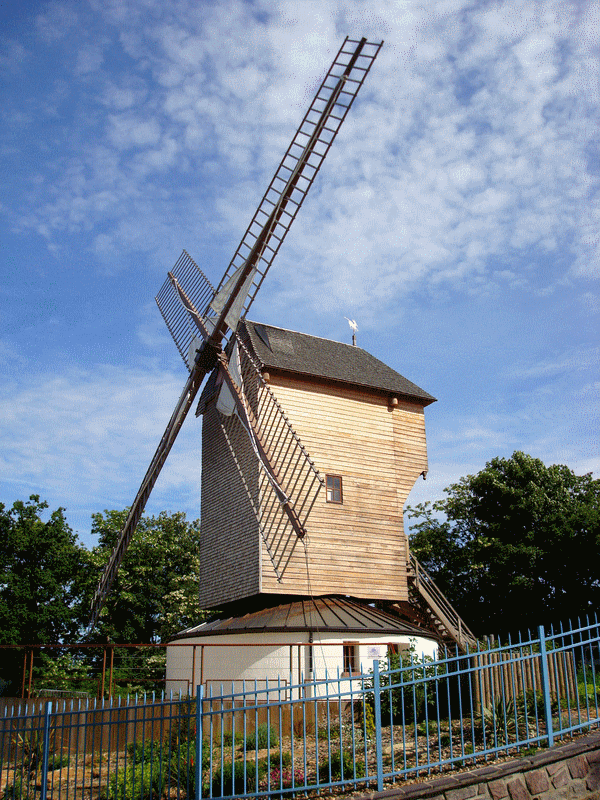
point(298, 353)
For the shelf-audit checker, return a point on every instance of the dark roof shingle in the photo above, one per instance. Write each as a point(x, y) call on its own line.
point(299, 353)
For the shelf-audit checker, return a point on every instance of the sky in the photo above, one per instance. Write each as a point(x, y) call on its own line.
point(456, 219)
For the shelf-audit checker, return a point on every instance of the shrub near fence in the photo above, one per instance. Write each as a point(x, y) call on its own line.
point(392, 722)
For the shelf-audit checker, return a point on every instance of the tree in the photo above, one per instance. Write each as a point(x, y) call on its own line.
point(156, 589)
point(41, 569)
point(47, 578)
point(155, 593)
point(514, 546)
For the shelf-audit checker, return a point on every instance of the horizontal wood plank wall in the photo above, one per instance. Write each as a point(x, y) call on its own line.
point(357, 548)
point(410, 447)
point(229, 541)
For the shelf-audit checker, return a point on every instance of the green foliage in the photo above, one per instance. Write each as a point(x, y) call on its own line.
point(47, 579)
point(140, 780)
point(42, 565)
point(408, 694)
point(514, 546)
point(18, 789)
point(503, 721)
point(58, 761)
point(340, 766)
point(155, 593)
point(588, 683)
point(365, 717)
point(264, 736)
point(151, 768)
point(154, 596)
point(65, 671)
point(229, 739)
point(241, 775)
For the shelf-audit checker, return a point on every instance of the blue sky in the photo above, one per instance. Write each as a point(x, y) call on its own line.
point(456, 219)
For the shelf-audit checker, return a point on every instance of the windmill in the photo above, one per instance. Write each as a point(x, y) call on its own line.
point(204, 322)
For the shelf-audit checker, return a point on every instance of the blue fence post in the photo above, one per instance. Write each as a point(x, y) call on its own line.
point(45, 752)
point(198, 765)
point(377, 715)
point(546, 686)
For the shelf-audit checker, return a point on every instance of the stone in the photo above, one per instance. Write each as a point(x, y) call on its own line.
point(578, 767)
point(464, 793)
point(518, 790)
point(498, 790)
point(593, 778)
point(560, 778)
point(537, 781)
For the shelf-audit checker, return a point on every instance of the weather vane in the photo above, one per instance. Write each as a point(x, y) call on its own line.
point(354, 327)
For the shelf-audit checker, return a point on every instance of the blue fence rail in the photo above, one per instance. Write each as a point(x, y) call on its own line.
point(392, 722)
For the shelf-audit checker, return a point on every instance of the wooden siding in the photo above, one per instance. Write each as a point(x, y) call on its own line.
point(357, 548)
point(229, 542)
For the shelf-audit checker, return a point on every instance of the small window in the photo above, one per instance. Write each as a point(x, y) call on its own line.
point(333, 484)
point(350, 658)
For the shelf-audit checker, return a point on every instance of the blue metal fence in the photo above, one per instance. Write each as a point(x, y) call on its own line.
point(392, 722)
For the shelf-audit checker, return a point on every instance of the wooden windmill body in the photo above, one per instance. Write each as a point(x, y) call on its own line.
point(363, 425)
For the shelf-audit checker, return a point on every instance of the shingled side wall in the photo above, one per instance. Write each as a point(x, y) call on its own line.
point(570, 770)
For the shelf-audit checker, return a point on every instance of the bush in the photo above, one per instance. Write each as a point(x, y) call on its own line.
point(152, 767)
point(264, 736)
point(231, 778)
point(282, 778)
point(19, 789)
point(366, 718)
point(588, 682)
point(144, 780)
point(230, 738)
point(341, 766)
point(58, 761)
point(410, 697)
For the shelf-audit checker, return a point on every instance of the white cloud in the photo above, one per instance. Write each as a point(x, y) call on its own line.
point(56, 22)
point(131, 131)
point(87, 436)
point(454, 179)
point(89, 59)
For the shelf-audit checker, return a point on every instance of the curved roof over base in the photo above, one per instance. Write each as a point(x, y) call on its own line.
point(322, 614)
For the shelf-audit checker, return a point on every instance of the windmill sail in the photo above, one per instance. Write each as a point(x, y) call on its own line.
point(295, 175)
point(245, 273)
point(184, 404)
point(198, 289)
point(288, 483)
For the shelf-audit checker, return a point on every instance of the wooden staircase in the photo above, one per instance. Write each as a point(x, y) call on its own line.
point(430, 609)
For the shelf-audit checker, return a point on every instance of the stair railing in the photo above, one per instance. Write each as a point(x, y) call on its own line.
point(441, 606)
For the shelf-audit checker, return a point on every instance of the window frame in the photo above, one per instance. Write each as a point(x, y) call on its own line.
point(333, 489)
point(350, 659)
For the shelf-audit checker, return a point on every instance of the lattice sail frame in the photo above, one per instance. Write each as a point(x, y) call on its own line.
point(296, 472)
point(337, 91)
point(177, 319)
point(284, 196)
